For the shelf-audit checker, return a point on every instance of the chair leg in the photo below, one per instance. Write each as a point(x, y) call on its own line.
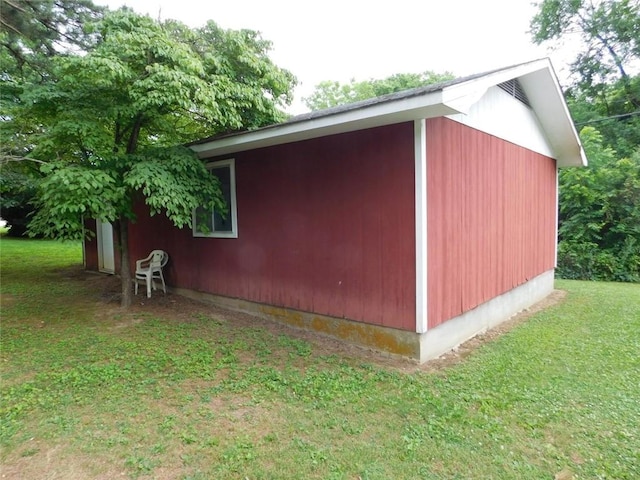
point(135, 281)
point(164, 287)
point(149, 287)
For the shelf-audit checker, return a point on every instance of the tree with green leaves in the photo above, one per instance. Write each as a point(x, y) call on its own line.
point(611, 113)
point(329, 94)
point(32, 33)
point(599, 218)
point(36, 29)
point(18, 187)
point(606, 85)
point(111, 121)
point(606, 33)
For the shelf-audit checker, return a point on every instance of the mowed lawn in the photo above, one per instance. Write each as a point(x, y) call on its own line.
point(91, 391)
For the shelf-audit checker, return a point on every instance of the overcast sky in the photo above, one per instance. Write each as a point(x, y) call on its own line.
point(350, 39)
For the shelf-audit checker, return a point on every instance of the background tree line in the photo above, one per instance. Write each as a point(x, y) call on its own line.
point(599, 217)
point(94, 103)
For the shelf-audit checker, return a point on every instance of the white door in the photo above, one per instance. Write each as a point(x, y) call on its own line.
point(106, 259)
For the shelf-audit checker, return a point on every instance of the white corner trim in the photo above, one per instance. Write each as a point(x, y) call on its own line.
point(420, 150)
point(555, 253)
point(457, 330)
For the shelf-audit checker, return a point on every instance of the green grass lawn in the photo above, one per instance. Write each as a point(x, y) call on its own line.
point(90, 391)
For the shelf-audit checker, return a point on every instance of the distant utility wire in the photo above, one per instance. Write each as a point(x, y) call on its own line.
point(613, 117)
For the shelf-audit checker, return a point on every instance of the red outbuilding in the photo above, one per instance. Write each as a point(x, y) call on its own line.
point(407, 223)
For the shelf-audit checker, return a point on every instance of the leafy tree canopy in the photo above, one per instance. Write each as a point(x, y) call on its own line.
point(329, 94)
point(599, 229)
point(143, 86)
point(611, 113)
point(606, 85)
point(32, 33)
point(606, 32)
point(599, 218)
point(106, 123)
point(35, 29)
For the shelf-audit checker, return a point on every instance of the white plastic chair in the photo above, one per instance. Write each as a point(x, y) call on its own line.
point(150, 269)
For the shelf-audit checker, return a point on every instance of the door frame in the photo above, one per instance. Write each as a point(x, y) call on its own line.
point(106, 251)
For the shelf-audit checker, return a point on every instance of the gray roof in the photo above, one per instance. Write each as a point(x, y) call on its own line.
point(537, 80)
point(390, 97)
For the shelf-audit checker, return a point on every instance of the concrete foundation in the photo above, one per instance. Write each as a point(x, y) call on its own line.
point(419, 347)
point(453, 332)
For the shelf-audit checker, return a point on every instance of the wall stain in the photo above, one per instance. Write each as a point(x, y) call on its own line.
point(384, 339)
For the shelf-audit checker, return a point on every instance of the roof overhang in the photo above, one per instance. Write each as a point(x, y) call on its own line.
point(537, 79)
point(376, 115)
point(547, 100)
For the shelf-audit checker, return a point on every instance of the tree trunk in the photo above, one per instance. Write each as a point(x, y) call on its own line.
point(626, 83)
point(125, 272)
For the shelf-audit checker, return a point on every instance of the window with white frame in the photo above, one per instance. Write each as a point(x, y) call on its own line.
point(209, 223)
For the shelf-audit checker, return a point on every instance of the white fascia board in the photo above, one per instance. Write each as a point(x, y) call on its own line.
point(387, 113)
point(547, 100)
point(462, 96)
point(541, 85)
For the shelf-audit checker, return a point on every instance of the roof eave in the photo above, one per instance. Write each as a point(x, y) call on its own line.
point(548, 102)
point(537, 78)
point(401, 110)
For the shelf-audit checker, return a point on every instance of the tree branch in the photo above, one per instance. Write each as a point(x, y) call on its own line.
point(135, 133)
point(14, 5)
point(11, 27)
point(4, 159)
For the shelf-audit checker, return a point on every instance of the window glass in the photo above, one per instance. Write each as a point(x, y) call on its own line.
point(207, 223)
point(223, 223)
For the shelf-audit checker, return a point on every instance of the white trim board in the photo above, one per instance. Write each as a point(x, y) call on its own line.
point(420, 150)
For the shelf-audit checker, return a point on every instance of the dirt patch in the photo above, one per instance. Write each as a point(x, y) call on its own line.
point(6, 300)
point(186, 310)
point(40, 460)
point(237, 414)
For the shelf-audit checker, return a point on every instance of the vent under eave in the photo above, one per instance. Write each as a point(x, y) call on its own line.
point(513, 88)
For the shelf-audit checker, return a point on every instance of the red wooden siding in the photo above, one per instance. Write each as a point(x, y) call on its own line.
point(491, 217)
point(324, 225)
